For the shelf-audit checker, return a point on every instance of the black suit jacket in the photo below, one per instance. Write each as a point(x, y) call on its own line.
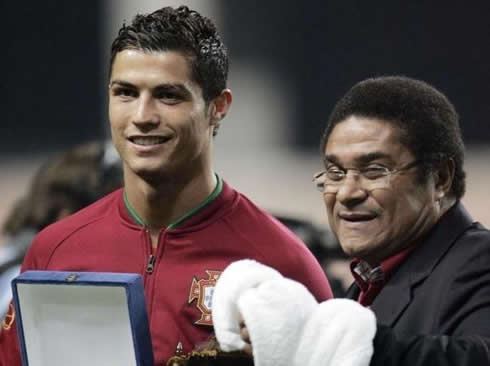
point(435, 309)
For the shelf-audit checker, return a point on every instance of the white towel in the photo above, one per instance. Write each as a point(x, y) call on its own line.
point(237, 278)
point(285, 323)
point(340, 332)
point(275, 312)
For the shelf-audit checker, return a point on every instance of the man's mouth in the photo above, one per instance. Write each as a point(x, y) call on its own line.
point(356, 217)
point(148, 140)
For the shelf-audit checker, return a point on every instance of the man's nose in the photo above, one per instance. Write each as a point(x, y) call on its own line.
point(351, 190)
point(146, 112)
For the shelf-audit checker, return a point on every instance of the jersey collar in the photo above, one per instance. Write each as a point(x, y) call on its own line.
point(215, 193)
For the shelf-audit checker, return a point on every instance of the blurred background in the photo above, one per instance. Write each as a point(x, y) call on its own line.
point(290, 62)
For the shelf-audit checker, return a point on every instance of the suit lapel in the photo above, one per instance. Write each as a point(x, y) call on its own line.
point(396, 295)
point(393, 298)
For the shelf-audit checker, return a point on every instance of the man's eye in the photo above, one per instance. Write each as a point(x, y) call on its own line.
point(374, 172)
point(125, 92)
point(335, 174)
point(169, 97)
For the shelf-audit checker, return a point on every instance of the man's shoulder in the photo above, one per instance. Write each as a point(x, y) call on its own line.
point(459, 246)
point(98, 213)
point(262, 226)
point(272, 243)
point(472, 246)
point(477, 232)
point(250, 212)
point(474, 237)
point(456, 234)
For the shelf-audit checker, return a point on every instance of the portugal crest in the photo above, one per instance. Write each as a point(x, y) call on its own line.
point(202, 291)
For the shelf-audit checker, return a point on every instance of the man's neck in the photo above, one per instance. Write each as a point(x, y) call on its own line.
point(158, 206)
point(446, 204)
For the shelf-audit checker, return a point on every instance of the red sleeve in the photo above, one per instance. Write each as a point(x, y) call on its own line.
point(310, 273)
point(298, 263)
point(9, 341)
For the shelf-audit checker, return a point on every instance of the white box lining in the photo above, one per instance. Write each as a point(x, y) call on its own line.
point(80, 325)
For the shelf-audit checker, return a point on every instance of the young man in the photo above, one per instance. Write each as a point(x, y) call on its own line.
point(176, 222)
point(392, 185)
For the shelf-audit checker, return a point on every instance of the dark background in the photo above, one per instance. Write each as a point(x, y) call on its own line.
point(53, 92)
point(324, 47)
point(53, 95)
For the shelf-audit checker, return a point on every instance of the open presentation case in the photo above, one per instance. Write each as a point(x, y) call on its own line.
point(82, 319)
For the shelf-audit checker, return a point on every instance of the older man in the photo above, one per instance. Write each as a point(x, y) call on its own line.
point(392, 185)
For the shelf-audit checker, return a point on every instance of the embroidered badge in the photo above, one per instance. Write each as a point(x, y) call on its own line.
point(9, 318)
point(202, 291)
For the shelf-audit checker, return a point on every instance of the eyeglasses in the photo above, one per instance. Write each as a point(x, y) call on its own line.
point(371, 177)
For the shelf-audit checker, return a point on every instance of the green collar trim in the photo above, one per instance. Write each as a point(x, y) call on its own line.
point(217, 190)
point(132, 212)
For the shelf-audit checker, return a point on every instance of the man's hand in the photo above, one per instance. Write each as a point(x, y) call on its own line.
point(246, 337)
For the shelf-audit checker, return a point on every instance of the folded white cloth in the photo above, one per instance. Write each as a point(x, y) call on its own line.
point(339, 332)
point(275, 312)
point(286, 324)
point(227, 291)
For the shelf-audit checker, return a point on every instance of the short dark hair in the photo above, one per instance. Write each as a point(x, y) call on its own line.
point(184, 30)
point(428, 122)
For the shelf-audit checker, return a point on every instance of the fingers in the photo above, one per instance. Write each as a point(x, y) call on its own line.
point(248, 349)
point(244, 332)
point(246, 338)
point(243, 329)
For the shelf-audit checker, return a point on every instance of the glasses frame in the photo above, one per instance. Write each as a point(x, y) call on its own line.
point(320, 178)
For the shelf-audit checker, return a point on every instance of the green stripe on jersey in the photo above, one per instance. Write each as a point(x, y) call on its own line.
point(217, 190)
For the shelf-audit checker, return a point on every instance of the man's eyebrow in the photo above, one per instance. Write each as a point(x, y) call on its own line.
point(176, 88)
point(369, 157)
point(360, 160)
point(121, 83)
point(330, 158)
point(167, 87)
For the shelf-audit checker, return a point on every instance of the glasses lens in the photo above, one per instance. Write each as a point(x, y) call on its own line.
point(319, 181)
point(370, 184)
point(326, 185)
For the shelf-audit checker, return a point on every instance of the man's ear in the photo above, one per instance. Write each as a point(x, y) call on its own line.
point(444, 177)
point(219, 108)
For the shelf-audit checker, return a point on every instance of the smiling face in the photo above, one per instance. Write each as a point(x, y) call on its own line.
point(160, 123)
point(373, 225)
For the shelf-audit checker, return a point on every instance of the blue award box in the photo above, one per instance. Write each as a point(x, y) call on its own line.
point(81, 319)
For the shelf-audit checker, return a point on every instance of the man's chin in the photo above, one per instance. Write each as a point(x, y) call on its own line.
point(150, 174)
point(357, 248)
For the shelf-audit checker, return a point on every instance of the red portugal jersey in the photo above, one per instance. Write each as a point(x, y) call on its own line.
point(180, 274)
